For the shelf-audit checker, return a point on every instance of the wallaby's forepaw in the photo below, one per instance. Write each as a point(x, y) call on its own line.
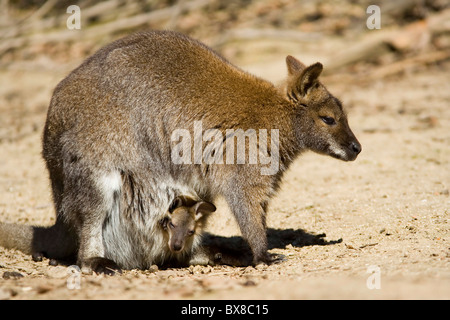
point(100, 265)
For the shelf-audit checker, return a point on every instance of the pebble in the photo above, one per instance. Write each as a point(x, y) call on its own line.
point(153, 268)
point(58, 272)
point(12, 275)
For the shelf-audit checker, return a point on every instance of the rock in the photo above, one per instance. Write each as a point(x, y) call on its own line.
point(12, 275)
point(58, 272)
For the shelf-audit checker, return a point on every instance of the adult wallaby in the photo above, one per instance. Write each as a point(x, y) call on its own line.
point(108, 141)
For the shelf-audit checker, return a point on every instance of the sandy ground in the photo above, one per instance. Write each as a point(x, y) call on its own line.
point(377, 228)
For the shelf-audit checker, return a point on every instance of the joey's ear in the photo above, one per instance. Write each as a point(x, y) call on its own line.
point(203, 208)
point(163, 222)
point(309, 78)
point(294, 66)
point(176, 203)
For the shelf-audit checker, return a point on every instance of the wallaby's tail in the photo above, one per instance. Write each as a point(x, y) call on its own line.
point(15, 236)
point(53, 242)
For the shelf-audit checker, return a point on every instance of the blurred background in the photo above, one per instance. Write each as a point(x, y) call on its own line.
point(34, 34)
point(37, 49)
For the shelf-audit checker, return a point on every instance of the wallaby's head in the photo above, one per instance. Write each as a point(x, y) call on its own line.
point(321, 122)
point(184, 218)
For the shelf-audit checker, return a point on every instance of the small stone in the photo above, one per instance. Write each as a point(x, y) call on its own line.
point(261, 267)
point(12, 275)
point(197, 270)
point(53, 262)
point(153, 268)
point(58, 272)
point(37, 256)
point(249, 269)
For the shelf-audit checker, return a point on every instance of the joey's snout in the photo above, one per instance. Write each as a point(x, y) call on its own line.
point(176, 247)
point(177, 238)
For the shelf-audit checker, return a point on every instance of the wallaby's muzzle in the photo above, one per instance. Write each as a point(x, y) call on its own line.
point(176, 246)
point(356, 148)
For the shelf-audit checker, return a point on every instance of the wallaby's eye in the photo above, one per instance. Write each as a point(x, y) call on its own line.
point(191, 232)
point(328, 120)
point(171, 225)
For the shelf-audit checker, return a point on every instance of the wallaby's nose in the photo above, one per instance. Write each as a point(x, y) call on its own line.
point(177, 247)
point(356, 147)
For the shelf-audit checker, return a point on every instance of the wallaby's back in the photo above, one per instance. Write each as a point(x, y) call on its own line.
point(155, 75)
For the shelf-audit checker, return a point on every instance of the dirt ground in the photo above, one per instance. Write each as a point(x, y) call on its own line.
point(376, 228)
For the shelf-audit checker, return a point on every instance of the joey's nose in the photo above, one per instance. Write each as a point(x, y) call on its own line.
point(177, 247)
point(356, 147)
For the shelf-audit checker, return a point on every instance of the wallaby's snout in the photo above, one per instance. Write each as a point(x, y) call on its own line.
point(177, 246)
point(180, 227)
point(356, 148)
point(350, 152)
point(342, 143)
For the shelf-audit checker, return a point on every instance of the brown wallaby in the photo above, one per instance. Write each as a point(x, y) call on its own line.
point(109, 142)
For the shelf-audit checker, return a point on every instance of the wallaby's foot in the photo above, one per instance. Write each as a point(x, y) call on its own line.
point(229, 259)
point(277, 258)
point(269, 258)
point(100, 265)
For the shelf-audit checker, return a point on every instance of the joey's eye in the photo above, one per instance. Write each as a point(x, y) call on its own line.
point(191, 232)
point(171, 225)
point(328, 120)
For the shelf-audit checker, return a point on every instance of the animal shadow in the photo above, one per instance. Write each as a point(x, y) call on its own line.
point(236, 252)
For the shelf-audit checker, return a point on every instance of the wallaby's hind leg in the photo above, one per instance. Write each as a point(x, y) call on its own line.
point(90, 198)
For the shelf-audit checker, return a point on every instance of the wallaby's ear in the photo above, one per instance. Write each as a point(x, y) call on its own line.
point(309, 78)
point(176, 203)
point(294, 66)
point(203, 208)
point(163, 222)
point(301, 78)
